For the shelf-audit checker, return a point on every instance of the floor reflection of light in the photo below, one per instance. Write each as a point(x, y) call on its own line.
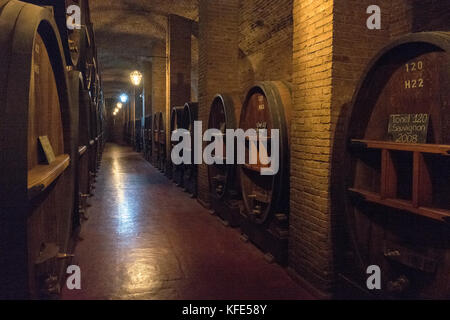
point(124, 213)
point(141, 276)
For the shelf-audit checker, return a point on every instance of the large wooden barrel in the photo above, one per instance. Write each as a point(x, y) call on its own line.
point(93, 140)
point(100, 110)
point(102, 124)
point(224, 184)
point(162, 143)
point(266, 198)
point(36, 199)
point(89, 65)
point(85, 147)
point(176, 122)
point(398, 171)
point(138, 135)
point(156, 145)
point(148, 137)
point(190, 115)
point(82, 165)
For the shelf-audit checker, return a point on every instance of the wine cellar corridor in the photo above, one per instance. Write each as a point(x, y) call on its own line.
point(224, 150)
point(147, 239)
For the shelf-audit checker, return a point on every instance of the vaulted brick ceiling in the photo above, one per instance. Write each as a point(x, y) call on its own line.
point(126, 31)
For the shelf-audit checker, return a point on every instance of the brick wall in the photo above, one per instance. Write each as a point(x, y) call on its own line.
point(179, 53)
point(178, 75)
point(159, 77)
point(265, 41)
point(194, 69)
point(218, 62)
point(148, 87)
point(418, 15)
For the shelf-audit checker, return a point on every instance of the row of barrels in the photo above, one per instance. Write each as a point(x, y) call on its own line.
point(155, 145)
point(52, 137)
point(240, 195)
point(395, 190)
point(133, 134)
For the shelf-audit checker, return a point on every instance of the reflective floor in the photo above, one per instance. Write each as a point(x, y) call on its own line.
point(146, 239)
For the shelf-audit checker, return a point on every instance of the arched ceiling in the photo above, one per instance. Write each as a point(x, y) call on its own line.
point(127, 30)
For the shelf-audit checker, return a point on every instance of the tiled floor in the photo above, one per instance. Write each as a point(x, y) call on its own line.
point(146, 239)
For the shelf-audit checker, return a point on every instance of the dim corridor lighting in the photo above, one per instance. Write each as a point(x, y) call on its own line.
point(136, 78)
point(124, 98)
point(119, 105)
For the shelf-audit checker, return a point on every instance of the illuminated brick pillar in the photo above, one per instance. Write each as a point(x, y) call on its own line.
point(158, 78)
point(178, 76)
point(310, 241)
point(332, 46)
point(218, 63)
point(148, 75)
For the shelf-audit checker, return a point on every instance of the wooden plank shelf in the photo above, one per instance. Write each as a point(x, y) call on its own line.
point(395, 146)
point(432, 213)
point(42, 176)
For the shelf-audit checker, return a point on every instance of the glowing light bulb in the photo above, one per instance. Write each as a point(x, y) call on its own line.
point(136, 78)
point(124, 98)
